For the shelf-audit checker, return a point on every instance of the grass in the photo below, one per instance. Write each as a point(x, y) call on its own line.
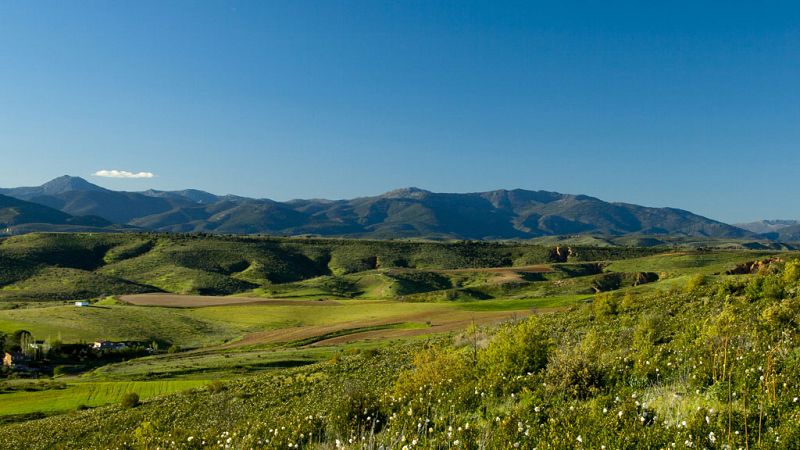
point(47, 266)
point(523, 303)
point(89, 394)
point(120, 323)
point(209, 364)
point(689, 262)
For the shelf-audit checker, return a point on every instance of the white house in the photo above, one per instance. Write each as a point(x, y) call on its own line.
point(81, 304)
point(102, 344)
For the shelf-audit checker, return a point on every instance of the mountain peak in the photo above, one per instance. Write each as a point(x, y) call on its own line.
point(408, 192)
point(67, 183)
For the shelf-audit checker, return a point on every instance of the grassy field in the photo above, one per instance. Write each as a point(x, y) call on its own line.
point(689, 262)
point(119, 323)
point(88, 394)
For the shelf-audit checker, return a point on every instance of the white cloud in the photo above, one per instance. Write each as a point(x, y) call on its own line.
point(123, 174)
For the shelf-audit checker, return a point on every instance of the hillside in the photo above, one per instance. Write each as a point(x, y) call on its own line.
point(64, 266)
point(403, 213)
point(711, 363)
point(16, 214)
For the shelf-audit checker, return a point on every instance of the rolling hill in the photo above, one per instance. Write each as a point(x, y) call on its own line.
point(402, 213)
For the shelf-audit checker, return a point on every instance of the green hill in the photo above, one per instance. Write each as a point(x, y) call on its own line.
point(66, 266)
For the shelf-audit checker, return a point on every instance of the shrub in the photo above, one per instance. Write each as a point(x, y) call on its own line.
point(577, 371)
point(434, 369)
point(517, 350)
point(696, 282)
point(605, 305)
point(357, 409)
point(130, 400)
point(215, 387)
point(791, 272)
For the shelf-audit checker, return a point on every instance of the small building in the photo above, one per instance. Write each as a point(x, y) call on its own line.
point(15, 360)
point(102, 344)
point(81, 304)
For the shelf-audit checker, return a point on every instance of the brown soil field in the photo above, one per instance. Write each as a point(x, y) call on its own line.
point(199, 301)
point(539, 268)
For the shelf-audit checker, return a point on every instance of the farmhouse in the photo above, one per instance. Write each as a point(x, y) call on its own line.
point(81, 304)
point(102, 344)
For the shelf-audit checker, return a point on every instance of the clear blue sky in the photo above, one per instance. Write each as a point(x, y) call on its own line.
point(687, 104)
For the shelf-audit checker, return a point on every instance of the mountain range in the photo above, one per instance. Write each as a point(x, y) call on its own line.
point(74, 203)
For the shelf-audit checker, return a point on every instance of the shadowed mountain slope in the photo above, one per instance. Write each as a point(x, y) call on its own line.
point(402, 213)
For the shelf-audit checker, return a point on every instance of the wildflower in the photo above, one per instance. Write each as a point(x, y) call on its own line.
point(579, 439)
point(711, 437)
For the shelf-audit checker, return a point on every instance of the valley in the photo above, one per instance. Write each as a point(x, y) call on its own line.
point(198, 313)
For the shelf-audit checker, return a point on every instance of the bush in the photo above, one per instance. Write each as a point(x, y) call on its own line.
point(577, 371)
point(605, 305)
point(791, 272)
point(130, 400)
point(358, 409)
point(434, 369)
point(517, 350)
point(696, 282)
point(215, 387)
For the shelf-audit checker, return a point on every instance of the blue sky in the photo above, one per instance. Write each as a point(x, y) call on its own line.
point(686, 104)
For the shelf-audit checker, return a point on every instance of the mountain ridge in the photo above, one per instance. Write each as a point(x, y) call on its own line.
point(401, 213)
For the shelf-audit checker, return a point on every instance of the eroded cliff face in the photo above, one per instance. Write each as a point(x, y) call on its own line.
point(561, 254)
point(751, 267)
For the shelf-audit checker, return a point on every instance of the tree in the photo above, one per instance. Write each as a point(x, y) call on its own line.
point(18, 341)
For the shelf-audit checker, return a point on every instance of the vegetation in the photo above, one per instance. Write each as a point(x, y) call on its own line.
point(645, 348)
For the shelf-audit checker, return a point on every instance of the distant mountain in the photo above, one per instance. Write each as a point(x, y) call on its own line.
point(16, 213)
point(767, 226)
point(402, 213)
point(787, 234)
point(56, 186)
